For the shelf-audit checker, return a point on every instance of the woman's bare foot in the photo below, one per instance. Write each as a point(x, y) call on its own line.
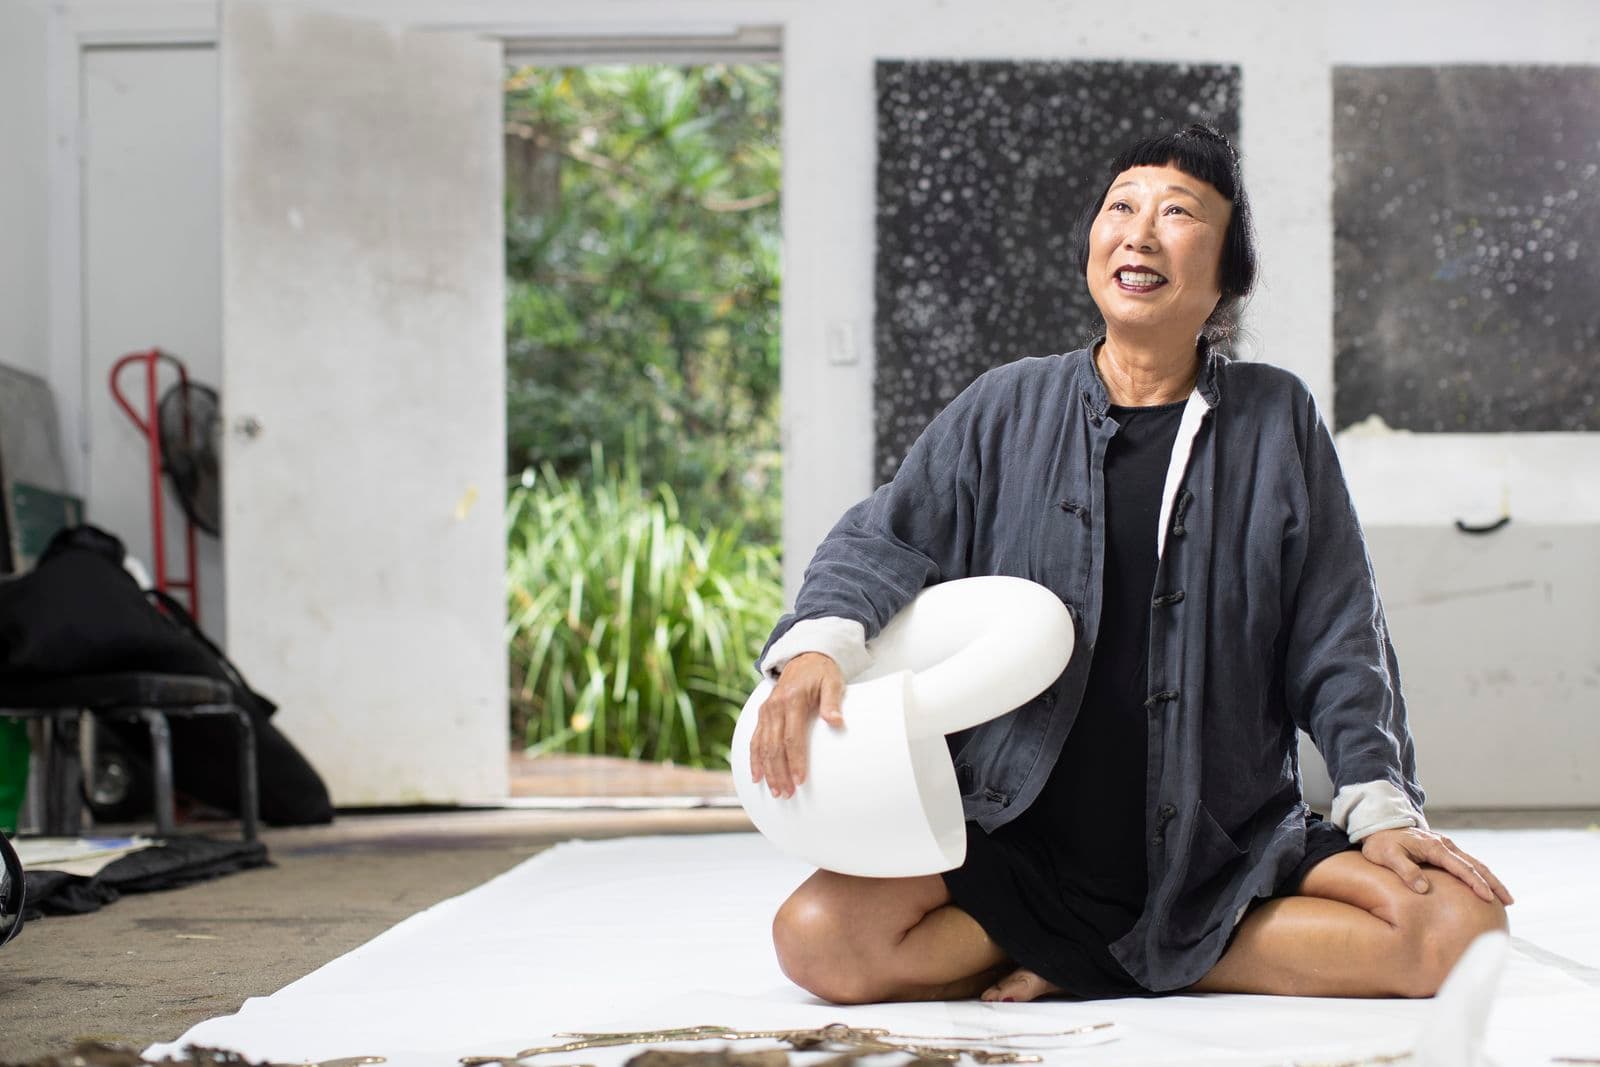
point(1020, 985)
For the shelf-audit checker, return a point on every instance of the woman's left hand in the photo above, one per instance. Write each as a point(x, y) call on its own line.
point(1402, 849)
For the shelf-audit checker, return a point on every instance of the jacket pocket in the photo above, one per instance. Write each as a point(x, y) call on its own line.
point(1211, 851)
point(1214, 865)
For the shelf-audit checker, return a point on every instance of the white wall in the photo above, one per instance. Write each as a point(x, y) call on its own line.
point(24, 335)
point(830, 150)
point(1404, 486)
point(150, 278)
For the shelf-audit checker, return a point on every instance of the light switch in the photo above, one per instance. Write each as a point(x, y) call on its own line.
point(841, 342)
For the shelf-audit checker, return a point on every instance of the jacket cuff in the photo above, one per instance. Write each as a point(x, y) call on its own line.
point(842, 640)
point(1363, 809)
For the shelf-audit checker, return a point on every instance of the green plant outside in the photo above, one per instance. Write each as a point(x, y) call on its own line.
point(643, 264)
point(631, 633)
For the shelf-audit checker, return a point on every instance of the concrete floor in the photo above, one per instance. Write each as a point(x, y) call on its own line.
point(553, 776)
point(148, 967)
point(152, 965)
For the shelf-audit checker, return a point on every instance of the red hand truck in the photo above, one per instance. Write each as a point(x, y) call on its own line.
point(150, 426)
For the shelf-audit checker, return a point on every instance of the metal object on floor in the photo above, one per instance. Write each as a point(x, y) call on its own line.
point(13, 892)
point(141, 697)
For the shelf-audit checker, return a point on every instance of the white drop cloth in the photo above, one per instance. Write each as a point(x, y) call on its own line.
point(675, 931)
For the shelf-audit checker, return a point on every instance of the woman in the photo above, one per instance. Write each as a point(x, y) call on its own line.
point(1138, 828)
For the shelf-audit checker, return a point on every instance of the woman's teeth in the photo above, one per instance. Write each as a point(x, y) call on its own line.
point(1129, 277)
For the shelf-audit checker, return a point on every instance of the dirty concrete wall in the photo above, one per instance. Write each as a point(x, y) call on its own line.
point(1409, 489)
point(151, 263)
point(1488, 631)
point(24, 193)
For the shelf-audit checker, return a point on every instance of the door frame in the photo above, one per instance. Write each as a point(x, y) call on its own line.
point(74, 29)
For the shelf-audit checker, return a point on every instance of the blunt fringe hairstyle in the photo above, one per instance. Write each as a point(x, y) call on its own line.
point(1200, 151)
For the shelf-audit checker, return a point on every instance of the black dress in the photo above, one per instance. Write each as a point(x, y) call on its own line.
point(1058, 884)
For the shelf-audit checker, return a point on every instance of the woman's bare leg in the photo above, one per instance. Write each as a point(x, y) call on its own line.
point(1355, 930)
point(862, 940)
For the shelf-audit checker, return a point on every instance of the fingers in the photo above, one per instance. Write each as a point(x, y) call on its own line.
point(833, 698)
point(771, 746)
point(1398, 860)
point(778, 749)
point(1501, 893)
point(777, 760)
point(778, 780)
point(1401, 852)
point(1440, 856)
point(766, 744)
point(1020, 985)
point(794, 744)
point(1478, 877)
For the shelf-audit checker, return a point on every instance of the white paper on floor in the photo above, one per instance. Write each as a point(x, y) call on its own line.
point(82, 856)
point(666, 932)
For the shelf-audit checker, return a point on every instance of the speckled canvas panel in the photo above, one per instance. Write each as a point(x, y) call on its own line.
point(982, 169)
point(1467, 222)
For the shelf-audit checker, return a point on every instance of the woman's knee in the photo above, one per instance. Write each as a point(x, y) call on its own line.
point(814, 949)
point(1439, 926)
point(837, 935)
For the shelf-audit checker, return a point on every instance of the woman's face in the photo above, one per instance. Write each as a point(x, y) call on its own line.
point(1155, 251)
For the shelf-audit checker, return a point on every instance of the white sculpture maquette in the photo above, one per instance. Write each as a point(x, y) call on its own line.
point(880, 798)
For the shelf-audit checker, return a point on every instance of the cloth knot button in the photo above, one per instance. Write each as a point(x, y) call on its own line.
point(1177, 512)
point(1164, 815)
point(1169, 598)
point(1165, 696)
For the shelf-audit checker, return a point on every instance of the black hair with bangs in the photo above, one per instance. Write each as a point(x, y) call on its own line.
point(1200, 151)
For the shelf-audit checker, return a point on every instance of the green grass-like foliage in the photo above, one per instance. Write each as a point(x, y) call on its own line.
point(643, 254)
point(631, 633)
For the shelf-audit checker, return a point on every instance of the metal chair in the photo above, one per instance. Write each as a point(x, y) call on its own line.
point(140, 697)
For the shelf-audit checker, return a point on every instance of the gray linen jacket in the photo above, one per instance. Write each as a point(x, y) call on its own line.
point(1265, 618)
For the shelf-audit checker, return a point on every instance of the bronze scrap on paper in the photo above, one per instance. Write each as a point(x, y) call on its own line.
point(852, 1042)
point(722, 1057)
point(95, 1053)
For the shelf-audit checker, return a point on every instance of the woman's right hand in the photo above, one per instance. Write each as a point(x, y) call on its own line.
point(810, 684)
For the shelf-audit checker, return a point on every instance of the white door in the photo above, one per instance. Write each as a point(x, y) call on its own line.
point(363, 376)
point(150, 276)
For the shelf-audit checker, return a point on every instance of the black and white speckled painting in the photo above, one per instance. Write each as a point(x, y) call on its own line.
point(982, 168)
point(1467, 226)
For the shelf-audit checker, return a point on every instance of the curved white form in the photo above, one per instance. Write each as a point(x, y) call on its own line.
point(880, 798)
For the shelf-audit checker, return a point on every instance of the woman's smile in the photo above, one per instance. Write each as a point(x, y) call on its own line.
point(1132, 279)
point(1155, 251)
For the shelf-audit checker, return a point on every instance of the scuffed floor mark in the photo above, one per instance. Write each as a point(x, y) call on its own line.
point(1444, 595)
point(1581, 971)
